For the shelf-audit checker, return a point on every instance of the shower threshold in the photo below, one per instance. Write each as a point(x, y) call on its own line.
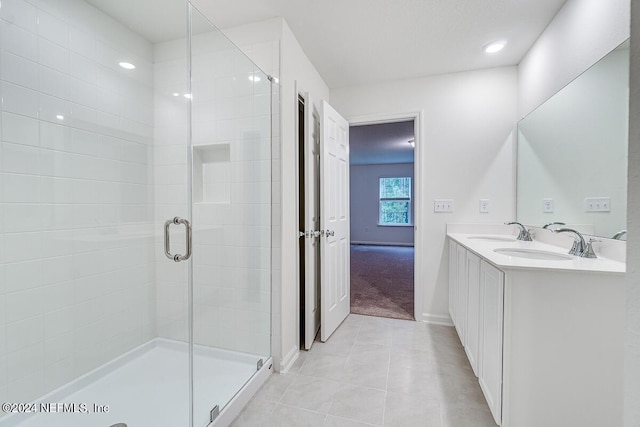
point(148, 387)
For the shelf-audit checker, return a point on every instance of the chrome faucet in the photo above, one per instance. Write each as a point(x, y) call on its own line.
point(619, 234)
point(579, 247)
point(553, 223)
point(524, 233)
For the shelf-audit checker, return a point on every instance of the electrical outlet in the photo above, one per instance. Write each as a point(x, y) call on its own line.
point(484, 205)
point(443, 205)
point(597, 204)
point(547, 205)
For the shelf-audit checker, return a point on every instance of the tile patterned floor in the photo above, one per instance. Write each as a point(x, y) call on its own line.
point(392, 373)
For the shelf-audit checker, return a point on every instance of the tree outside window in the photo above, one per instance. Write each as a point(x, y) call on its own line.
point(395, 201)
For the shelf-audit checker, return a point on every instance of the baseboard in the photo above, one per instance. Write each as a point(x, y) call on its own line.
point(358, 242)
point(288, 360)
point(437, 319)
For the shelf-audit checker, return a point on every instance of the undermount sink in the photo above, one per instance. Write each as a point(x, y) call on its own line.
point(532, 254)
point(494, 238)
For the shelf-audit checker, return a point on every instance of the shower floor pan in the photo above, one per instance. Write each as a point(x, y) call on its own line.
point(147, 387)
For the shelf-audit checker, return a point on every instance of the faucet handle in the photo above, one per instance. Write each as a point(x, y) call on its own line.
point(588, 252)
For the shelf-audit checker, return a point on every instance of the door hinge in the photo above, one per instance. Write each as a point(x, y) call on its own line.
point(260, 364)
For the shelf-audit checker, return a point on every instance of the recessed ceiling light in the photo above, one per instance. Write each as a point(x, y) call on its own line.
point(494, 47)
point(175, 94)
point(254, 79)
point(187, 95)
point(127, 65)
point(59, 117)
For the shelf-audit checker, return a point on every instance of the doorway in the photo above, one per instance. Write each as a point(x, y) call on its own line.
point(382, 201)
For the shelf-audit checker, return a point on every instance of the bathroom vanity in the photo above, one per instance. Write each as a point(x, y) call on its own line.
point(543, 330)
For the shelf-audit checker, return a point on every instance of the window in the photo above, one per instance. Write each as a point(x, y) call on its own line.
point(395, 201)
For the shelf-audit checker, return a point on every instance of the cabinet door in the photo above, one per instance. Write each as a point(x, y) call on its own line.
point(492, 302)
point(461, 305)
point(453, 279)
point(474, 310)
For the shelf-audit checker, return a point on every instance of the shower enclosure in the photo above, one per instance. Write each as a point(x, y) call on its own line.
point(135, 216)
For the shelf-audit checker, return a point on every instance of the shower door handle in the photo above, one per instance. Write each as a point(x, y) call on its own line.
point(167, 240)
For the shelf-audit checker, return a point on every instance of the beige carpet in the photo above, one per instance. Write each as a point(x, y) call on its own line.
point(382, 281)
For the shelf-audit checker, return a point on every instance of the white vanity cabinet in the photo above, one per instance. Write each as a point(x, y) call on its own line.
point(472, 345)
point(546, 343)
point(491, 333)
point(477, 290)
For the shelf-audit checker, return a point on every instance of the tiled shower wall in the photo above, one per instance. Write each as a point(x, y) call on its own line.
point(232, 191)
point(76, 251)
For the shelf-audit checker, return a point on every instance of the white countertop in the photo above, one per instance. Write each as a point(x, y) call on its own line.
point(485, 249)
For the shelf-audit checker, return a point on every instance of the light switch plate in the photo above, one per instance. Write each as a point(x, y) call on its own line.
point(597, 204)
point(547, 205)
point(485, 205)
point(443, 205)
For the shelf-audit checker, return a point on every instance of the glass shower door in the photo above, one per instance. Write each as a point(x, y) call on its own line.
point(93, 317)
point(231, 195)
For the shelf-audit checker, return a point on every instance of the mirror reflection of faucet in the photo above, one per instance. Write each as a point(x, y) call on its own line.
point(553, 223)
point(524, 233)
point(620, 234)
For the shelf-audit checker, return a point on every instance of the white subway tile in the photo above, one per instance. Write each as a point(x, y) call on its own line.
point(60, 322)
point(19, 41)
point(83, 68)
point(20, 129)
point(82, 42)
point(19, 159)
point(53, 56)
point(54, 136)
point(21, 218)
point(20, 13)
point(19, 70)
point(19, 100)
point(59, 347)
point(56, 243)
point(24, 304)
point(23, 275)
point(53, 29)
point(24, 333)
point(58, 296)
point(54, 109)
point(57, 269)
point(22, 246)
point(20, 188)
point(53, 82)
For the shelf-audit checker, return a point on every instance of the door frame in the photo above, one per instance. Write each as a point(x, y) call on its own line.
point(416, 116)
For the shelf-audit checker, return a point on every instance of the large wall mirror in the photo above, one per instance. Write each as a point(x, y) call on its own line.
point(572, 152)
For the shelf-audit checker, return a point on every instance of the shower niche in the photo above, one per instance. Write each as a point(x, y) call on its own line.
point(212, 173)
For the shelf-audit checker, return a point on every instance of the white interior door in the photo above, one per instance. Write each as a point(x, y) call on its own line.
point(334, 219)
point(312, 221)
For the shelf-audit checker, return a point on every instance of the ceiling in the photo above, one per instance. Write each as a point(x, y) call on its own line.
point(381, 143)
point(360, 42)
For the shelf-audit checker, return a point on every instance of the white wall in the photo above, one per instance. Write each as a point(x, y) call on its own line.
point(632, 356)
point(76, 262)
point(465, 153)
point(581, 33)
point(364, 204)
